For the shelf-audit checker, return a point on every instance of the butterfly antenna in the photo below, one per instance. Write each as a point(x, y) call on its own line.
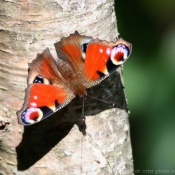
point(107, 102)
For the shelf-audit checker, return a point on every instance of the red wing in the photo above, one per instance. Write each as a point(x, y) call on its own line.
point(103, 58)
point(41, 101)
point(47, 91)
point(70, 50)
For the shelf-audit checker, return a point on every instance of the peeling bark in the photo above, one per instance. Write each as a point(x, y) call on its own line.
point(56, 145)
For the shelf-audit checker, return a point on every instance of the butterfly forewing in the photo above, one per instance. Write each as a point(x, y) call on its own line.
point(41, 101)
point(103, 58)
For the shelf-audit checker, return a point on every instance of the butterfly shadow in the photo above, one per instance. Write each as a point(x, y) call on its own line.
point(40, 138)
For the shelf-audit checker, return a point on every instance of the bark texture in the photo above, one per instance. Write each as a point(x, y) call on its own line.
point(57, 145)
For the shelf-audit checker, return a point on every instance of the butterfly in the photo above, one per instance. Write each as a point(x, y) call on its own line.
point(82, 62)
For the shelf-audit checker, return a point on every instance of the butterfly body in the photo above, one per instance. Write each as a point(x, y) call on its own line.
point(73, 81)
point(82, 63)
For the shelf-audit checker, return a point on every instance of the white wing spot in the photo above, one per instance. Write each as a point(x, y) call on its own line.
point(108, 51)
point(33, 104)
point(35, 97)
point(101, 50)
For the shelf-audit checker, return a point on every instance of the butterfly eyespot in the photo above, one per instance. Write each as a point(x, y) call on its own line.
point(38, 79)
point(119, 54)
point(123, 48)
point(31, 115)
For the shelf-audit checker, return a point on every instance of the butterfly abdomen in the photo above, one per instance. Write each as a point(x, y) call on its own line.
point(74, 81)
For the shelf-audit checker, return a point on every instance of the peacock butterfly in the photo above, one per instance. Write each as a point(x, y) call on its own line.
point(82, 62)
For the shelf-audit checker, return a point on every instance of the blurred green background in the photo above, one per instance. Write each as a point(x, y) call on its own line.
point(149, 77)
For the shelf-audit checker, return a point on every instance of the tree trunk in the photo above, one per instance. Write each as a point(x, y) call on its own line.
point(57, 144)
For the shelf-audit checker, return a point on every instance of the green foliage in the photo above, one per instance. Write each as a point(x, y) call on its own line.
point(149, 77)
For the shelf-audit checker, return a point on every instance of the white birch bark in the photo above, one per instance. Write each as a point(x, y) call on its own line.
point(55, 145)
